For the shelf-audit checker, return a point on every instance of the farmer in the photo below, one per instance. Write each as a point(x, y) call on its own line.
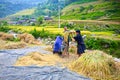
point(57, 45)
point(66, 39)
point(80, 43)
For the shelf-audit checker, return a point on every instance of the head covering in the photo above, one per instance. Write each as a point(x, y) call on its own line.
point(65, 26)
point(78, 31)
point(58, 39)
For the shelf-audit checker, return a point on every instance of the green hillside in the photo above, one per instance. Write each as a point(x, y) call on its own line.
point(92, 10)
point(23, 12)
point(9, 7)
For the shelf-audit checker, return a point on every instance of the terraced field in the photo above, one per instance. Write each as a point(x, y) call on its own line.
point(102, 34)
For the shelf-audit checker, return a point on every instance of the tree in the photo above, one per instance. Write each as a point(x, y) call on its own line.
point(81, 8)
point(39, 20)
point(90, 7)
point(4, 26)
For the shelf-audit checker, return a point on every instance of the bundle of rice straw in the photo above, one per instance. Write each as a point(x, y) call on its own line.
point(28, 38)
point(2, 43)
point(96, 65)
point(36, 58)
point(73, 49)
point(5, 36)
point(49, 48)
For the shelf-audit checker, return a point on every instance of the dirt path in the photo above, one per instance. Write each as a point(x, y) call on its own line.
point(10, 72)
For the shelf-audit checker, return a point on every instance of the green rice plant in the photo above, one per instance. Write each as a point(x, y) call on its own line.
point(35, 33)
point(43, 34)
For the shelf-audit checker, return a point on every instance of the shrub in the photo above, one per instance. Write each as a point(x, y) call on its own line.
point(4, 29)
point(110, 46)
point(43, 34)
point(46, 34)
point(39, 20)
point(35, 33)
point(15, 39)
point(82, 8)
point(4, 26)
point(70, 25)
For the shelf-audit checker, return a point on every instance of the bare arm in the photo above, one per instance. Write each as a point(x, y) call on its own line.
point(73, 39)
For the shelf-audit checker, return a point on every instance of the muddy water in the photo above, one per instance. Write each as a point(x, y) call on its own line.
point(10, 72)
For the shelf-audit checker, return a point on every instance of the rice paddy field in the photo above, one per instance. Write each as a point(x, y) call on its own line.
point(94, 64)
point(29, 28)
point(28, 37)
point(101, 34)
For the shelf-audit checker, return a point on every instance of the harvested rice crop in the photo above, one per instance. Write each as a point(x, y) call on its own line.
point(49, 48)
point(35, 58)
point(11, 45)
point(73, 49)
point(15, 45)
point(28, 38)
point(5, 36)
point(97, 65)
point(2, 43)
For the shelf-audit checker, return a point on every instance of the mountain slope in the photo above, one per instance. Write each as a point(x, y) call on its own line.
point(30, 2)
point(8, 7)
point(23, 12)
point(95, 10)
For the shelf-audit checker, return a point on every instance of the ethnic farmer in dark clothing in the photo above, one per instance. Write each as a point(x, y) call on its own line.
point(80, 43)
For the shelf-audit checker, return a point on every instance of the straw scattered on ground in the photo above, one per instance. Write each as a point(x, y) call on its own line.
point(36, 58)
point(15, 45)
point(2, 43)
point(72, 49)
point(49, 48)
point(11, 45)
point(96, 65)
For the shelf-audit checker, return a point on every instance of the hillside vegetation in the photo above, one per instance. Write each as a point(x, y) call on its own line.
point(92, 10)
point(24, 12)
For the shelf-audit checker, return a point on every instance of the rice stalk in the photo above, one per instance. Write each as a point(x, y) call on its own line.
point(96, 65)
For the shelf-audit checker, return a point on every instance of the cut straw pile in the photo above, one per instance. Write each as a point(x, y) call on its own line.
point(25, 37)
point(35, 58)
point(49, 48)
point(28, 38)
point(97, 65)
point(73, 49)
point(15, 45)
point(5, 36)
point(11, 45)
